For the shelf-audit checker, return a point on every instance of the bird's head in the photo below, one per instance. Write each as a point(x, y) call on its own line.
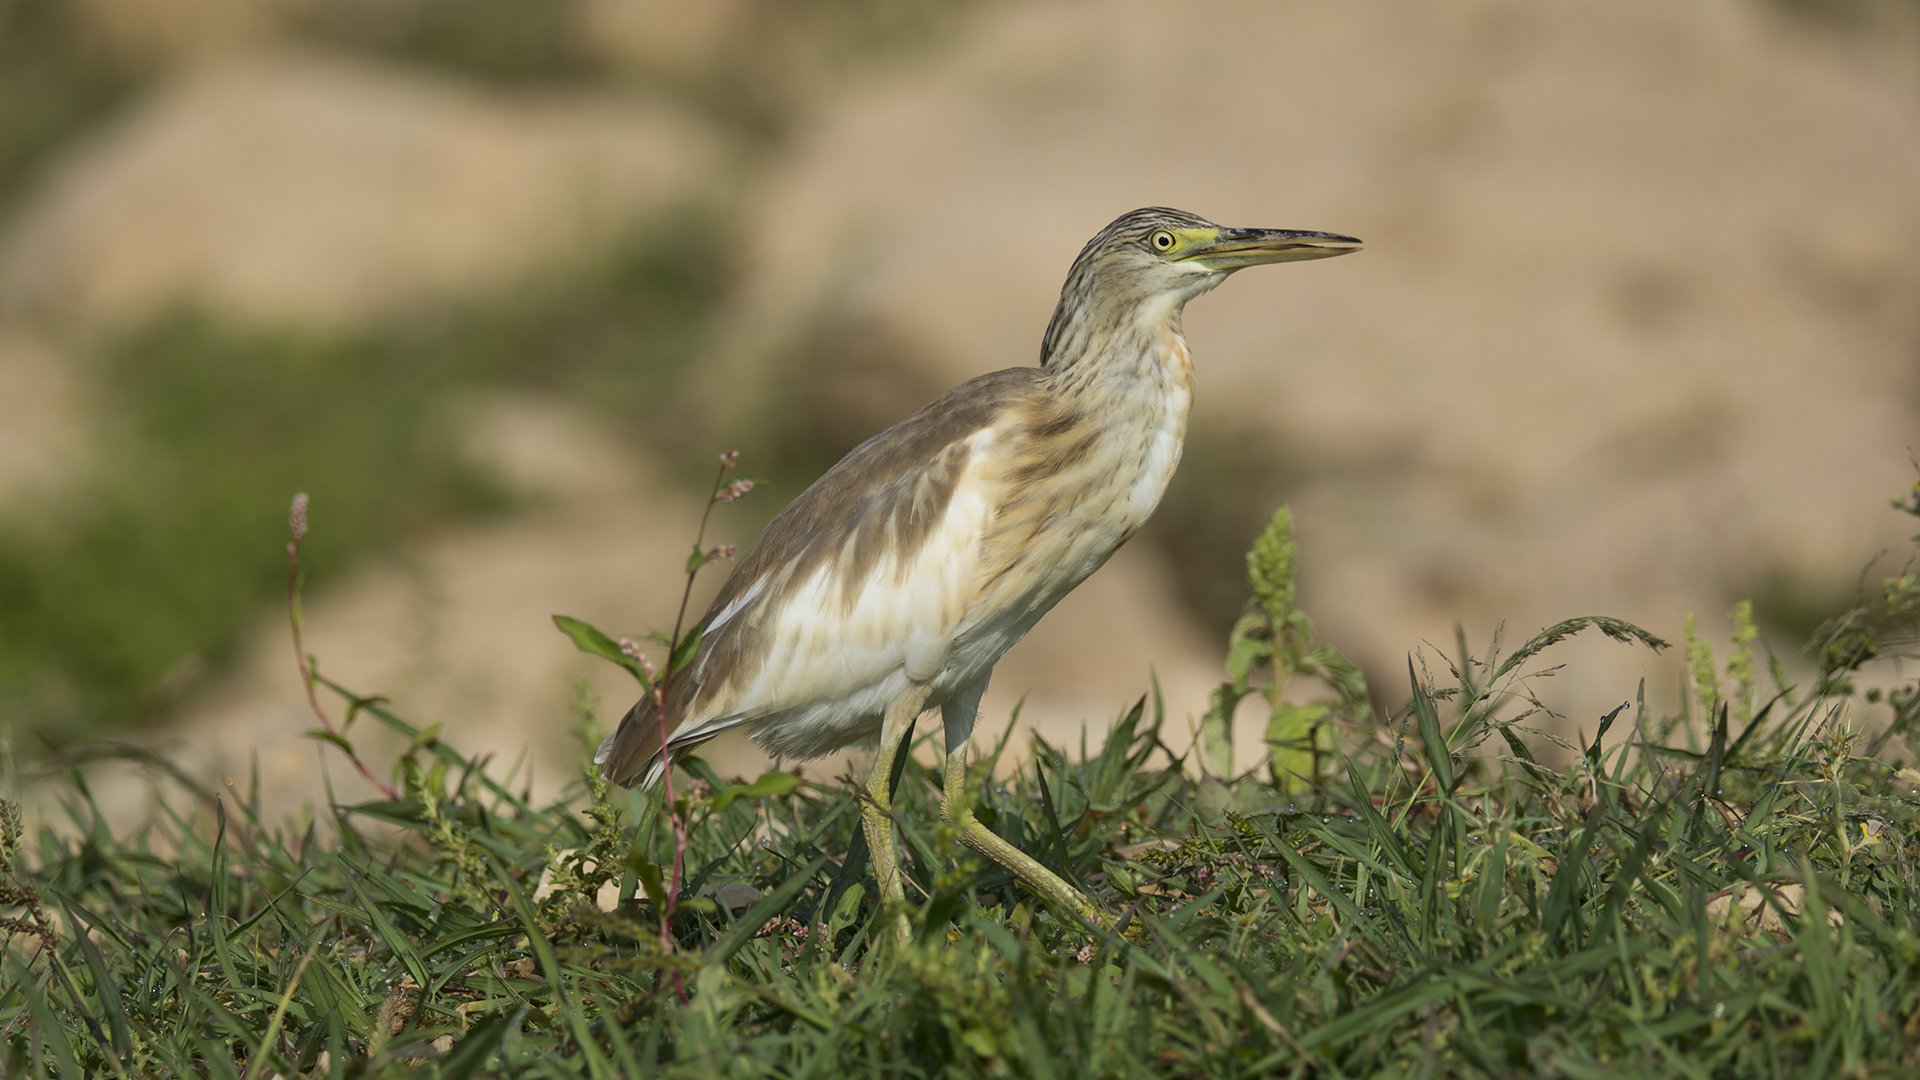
point(1147, 264)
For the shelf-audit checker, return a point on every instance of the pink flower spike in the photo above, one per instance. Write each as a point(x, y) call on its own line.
point(726, 551)
point(632, 649)
point(734, 491)
point(297, 517)
point(729, 459)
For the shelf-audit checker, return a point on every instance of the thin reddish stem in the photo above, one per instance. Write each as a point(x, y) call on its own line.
point(660, 710)
point(307, 679)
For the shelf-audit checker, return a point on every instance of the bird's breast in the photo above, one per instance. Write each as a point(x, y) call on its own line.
point(1078, 481)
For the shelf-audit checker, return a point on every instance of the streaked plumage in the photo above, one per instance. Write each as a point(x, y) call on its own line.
point(894, 582)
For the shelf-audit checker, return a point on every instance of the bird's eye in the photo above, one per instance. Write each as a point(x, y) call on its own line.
point(1163, 241)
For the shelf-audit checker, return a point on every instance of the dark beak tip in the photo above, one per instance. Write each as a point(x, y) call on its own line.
point(1302, 237)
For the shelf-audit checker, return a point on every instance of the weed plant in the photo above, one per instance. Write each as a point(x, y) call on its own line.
point(1725, 892)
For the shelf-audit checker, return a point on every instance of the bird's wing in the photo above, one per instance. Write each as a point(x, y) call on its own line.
point(864, 577)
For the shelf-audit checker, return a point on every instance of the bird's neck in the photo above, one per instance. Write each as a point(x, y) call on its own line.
point(1124, 398)
point(1096, 445)
point(1095, 359)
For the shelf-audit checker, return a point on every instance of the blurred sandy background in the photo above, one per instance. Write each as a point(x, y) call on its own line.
point(1635, 331)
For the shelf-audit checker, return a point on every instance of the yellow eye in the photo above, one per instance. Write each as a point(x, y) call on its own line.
point(1163, 241)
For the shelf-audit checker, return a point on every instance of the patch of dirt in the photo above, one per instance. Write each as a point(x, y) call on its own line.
point(299, 187)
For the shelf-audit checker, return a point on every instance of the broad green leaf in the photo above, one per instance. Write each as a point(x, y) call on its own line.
point(1247, 646)
point(589, 639)
point(1292, 742)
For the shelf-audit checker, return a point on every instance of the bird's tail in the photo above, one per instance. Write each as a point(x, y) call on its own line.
point(631, 755)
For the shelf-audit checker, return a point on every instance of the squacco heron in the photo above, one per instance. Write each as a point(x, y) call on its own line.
point(893, 584)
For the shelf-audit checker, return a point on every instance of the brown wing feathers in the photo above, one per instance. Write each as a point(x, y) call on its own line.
point(886, 495)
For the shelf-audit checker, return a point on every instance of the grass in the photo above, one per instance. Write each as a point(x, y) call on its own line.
point(1728, 892)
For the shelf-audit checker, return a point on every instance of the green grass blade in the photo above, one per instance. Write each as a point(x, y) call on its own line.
point(1624, 876)
point(1378, 830)
point(1349, 913)
point(1433, 745)
point(1493, 884)
point(390, 935)
point(1056, 838)
point(106, 988)
point(48, 1032)
point(1562, 897)
point(550, 964)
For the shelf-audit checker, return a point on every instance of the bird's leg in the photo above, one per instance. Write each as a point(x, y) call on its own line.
point(876, 810)
point(957, 808)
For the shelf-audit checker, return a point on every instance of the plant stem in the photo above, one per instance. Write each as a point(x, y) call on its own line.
point(300, 657)
point(660, 710)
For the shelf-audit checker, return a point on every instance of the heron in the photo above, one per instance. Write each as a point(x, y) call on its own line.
point(894, 583)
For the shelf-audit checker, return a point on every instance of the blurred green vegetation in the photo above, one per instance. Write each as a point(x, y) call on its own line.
point(1791, 607)
point(1853, 16)
point(769, 55)
point(54, 83)
point(1211, 513)
point(112, 604)
point(501, 40)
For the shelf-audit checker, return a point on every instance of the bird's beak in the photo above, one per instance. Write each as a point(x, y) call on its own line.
point(1231, 249)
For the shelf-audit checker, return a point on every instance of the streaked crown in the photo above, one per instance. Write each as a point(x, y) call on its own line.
point(1149, 262)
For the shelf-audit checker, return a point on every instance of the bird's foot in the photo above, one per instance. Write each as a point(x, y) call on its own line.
point(1048, 885)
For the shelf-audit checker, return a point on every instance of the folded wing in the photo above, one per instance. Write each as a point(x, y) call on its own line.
point(856, 589)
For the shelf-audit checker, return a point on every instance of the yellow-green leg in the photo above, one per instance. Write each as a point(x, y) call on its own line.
point(876, 810)
point(957, 808)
